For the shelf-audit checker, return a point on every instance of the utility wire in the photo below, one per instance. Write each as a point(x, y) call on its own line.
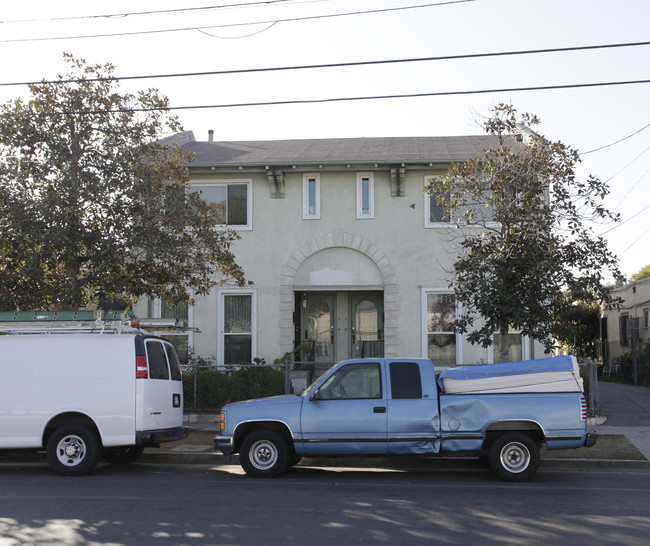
point(624, 221)
point(348, 99)
point(613, 143)
point(636, 241)
point(150, 12)
point(341, 65)
point(230, 25)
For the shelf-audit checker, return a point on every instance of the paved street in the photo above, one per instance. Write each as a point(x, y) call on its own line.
point(196, 504)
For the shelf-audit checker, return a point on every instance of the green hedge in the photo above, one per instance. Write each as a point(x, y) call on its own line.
point(214, 389)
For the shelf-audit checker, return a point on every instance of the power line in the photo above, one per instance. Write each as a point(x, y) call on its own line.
point(613, 143)
point(342, 65)
point(149, 12)
point(348, 99)
point(635, 242)
point(624, 221)
point(231, 25)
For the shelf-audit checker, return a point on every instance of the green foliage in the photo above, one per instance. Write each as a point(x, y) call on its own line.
point(256, 382)
point(93, 205)
point(521, 216)
point(577, 326)
point(643, 273)
point(215, 389)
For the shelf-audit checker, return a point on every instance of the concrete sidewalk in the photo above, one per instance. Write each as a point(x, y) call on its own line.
point(624, 409)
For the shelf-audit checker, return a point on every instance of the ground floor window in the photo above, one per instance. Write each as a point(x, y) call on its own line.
point(237, 326)
point(441, 342)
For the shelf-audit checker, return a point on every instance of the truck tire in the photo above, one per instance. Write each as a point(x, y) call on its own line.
point(514, 457)
point(264, 454)
point(73, 450)
point(122, 455)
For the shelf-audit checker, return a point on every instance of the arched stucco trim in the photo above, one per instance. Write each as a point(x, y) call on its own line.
point(340, 239)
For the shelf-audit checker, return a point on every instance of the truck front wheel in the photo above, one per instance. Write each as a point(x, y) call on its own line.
point(73, 450)
point(514, 457)
point(264, 454)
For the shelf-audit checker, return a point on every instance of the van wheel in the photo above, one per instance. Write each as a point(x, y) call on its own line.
point(264, 454)
point(73, 450)
point(514, 457)
point(122, 454)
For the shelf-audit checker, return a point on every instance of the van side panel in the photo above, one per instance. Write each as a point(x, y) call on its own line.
point(42, 376)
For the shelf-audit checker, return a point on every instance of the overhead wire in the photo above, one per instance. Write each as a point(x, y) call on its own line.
point(359, 98)
point(233, 25)
point(341, 65)
point(148, 12)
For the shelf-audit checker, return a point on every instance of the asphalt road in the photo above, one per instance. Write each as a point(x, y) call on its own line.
point(201, 505)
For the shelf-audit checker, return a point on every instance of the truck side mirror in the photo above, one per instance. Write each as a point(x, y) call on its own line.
point(316, 395)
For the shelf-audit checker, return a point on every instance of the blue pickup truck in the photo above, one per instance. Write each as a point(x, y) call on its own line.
point(397, 406)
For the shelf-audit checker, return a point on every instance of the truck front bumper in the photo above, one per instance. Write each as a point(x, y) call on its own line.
point(591, 439)
point(224, 444)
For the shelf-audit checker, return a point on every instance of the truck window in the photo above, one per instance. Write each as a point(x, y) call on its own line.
point(405, 381)
point(354, 381)
point(157, 360)
point(174, 364)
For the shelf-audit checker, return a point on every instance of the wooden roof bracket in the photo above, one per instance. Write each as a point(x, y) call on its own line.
point(397, 173)
point(276, 181)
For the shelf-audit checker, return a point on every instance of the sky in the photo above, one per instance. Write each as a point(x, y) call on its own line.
point(608, 125)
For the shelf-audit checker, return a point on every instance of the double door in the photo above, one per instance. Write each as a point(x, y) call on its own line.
point(335, 326)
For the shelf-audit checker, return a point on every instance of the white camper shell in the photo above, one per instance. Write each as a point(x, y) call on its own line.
point(86, 393)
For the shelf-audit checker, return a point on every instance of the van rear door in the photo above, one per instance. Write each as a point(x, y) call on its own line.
point(160, 393)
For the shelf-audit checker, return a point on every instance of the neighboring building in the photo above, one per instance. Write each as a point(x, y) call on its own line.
point(619, 326)
point(347, 254)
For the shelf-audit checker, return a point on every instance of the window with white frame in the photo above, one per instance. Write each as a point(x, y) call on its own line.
point(365, 196)
point(515, 346)
point(183, 313)
point(233, 200)
point(311, 196)
point(237, 326)
point(439, 313)
point(434, 214)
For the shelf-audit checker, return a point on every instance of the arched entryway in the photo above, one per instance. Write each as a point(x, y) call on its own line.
point(341, 289)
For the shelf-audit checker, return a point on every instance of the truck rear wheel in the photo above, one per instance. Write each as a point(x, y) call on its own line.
point(264, 454)
point(73, 450)
point(514, 457)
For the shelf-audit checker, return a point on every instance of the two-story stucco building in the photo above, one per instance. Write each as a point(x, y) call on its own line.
point(347, 254)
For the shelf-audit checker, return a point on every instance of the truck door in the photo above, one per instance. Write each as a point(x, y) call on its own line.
point(413, 415)
point(347, 413)
point(161, 392)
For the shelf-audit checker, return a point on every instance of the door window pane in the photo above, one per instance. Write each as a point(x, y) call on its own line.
point(353, 382)
point(157, 360)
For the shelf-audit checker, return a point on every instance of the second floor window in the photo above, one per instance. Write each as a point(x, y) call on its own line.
point(311, 197)
point(232, 200)
point(365, 195)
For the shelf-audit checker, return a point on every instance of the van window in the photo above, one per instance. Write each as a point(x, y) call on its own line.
point(174, 364)
point(157, 360)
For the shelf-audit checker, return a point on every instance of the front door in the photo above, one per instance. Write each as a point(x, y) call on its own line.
point(334, 326)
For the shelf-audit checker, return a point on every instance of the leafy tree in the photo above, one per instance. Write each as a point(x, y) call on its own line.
point(643, 273)
point(522, 217)
point(93, 205)
point(577, 326)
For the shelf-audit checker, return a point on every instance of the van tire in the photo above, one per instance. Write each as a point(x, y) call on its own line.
point(264, 454)
point(514, 457)
point(73, 450)
point(122, 454)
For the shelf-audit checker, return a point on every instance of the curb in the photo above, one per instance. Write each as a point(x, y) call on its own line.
point(426, 463)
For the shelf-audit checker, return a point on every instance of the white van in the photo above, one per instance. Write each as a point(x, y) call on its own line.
point(83, 396)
